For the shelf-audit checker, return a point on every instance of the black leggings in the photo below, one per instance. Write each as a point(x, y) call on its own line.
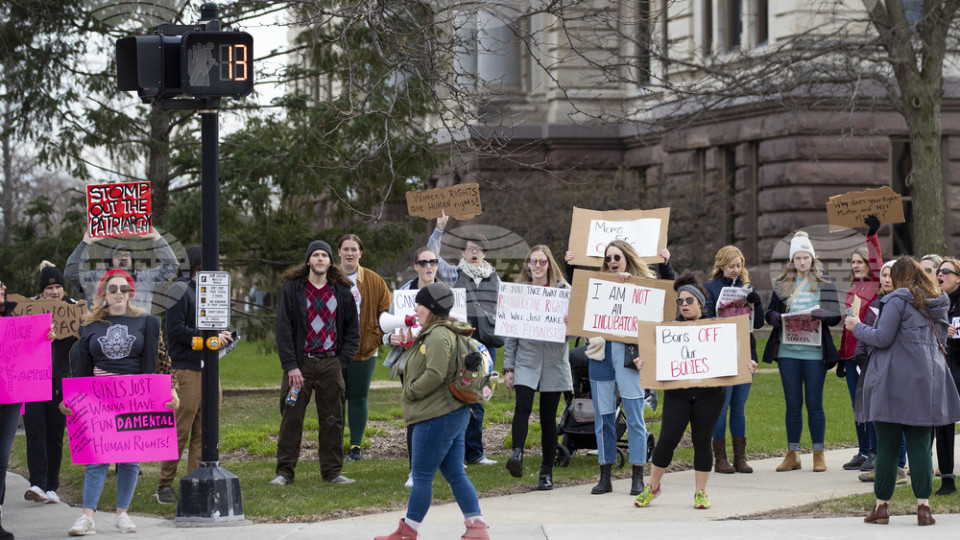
point(700, 407)
point(549, 401)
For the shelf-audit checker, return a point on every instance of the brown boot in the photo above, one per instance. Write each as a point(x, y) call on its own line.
point(924, 517)
point(403, 532)
point(720, 454)
point(740, 455)
point(879, 515)
point(819, 463)
point(791, 462)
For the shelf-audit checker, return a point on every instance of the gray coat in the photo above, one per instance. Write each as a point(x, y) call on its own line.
point(541, 365)
point(906, 380)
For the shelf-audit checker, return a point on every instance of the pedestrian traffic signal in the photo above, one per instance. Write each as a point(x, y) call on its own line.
point(150, 65)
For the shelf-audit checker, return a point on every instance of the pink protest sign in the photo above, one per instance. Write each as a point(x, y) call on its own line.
point(120, 419)
point(26, 371)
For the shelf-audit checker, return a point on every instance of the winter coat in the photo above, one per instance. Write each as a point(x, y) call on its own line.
point(828, 303)
point(431, 367)
point(541, 365)
point(374, 300)
point(906, 381)
point(867, 289)
point(292, 324)
point(182, 325)
point(713, 288)
point(119, 344)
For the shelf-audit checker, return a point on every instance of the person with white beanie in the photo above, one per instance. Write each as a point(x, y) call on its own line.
point(802, 287)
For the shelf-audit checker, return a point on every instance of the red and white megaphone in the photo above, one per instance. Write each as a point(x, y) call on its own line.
point(390, 322)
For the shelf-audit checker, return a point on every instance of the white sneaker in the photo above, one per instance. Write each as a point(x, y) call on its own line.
point(35, 494)
point(280, 480)
point(83, 526)
point(483, 461)
point(52, 497)
point(409, 482)
point(122, 522)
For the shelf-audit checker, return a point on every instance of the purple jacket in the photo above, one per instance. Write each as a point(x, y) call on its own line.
point(906, 381)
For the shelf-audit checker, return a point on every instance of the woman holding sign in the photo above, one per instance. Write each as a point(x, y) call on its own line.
point(907, 386)
point(698, 406)
point(803, 305)
point(730, 287)
point(117, 338)
point(530, 366)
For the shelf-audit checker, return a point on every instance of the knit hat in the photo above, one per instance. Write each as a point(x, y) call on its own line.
point(111, 273)
point(695, 291)
point(319, 244)
point(801, 242)
point(436, 297)
point(887, 264)
point(687, 281)
point(50, 275)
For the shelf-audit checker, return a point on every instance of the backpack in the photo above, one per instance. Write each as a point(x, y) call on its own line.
point(475, 379)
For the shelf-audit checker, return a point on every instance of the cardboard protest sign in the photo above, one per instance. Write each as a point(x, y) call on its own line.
point(25, 356)
point(120, 419)
point(529, 312)
point(706, 352)
point(800, 328)
point(592, 230)
point(461, 201)
point(850, 209)
point(855, 306)
point(732, 301)
point(405, 303)
point(602, 305)
point(123, 209)
point(66, 317)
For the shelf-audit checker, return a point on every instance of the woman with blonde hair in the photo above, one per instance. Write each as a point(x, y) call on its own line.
point(907, 386)
point(530, 366)
point(116, 338)
point(730, 270)
point(802, 287)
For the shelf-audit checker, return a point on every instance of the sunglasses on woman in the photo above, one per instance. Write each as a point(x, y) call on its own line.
point(688, 300)
point(609, 258)
point(428, 262)
point(947, 271)
point(535, 262)
point(114, 288)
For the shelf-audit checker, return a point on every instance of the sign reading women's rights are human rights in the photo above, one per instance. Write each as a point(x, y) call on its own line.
point(604, 305)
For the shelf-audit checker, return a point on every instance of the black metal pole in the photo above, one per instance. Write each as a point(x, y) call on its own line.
point(210, 240)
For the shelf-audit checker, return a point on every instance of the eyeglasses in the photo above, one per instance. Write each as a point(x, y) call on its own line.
point(947, 271)
point(688, 300)
point(609, 258)
point(428, 262)
point(473, 248)
point(536, 262)
point(114, 288)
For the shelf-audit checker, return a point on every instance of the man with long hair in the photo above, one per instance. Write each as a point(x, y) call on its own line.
point(318, 333)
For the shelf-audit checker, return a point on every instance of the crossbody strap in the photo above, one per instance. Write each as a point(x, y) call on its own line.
point(935, 334)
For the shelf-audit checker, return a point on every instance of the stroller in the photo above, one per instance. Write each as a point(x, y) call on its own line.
point(576, 421)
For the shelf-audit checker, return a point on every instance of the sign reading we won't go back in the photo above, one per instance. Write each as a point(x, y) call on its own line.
point(123, 209)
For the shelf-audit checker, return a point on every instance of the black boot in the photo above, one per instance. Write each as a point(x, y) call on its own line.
point(4, 535)
point(515, 463)
point(947, 486)
point(605, 485)
point(545, 482)
point(637, 486)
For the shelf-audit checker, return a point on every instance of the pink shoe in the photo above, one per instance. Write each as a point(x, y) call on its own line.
point(403, 532)
point(476, 530)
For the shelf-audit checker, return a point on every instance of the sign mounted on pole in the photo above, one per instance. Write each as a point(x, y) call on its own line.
point(213, 300)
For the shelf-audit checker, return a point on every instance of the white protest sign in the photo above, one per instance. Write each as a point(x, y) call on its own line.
point(642, 234)
point(531, 312)
point(801, 328)
point(405, 303)
point(615, 308)
point(696, 352)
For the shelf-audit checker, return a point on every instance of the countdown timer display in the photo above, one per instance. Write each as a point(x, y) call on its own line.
point(217, 64)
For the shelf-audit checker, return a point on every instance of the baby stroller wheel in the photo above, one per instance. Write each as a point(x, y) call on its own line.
point(651, 444)
point(563, 456)
point(621, 458)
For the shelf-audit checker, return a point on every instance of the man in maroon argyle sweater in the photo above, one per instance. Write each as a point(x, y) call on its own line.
point(317, 335)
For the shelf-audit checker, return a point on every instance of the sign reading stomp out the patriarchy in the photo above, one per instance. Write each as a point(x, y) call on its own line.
point(119, 209)
point(121, 419)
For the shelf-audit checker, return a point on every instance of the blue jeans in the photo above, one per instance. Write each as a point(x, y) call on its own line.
point(96, 475)
point(607, 377)
point(736, 403)
point(9, 418)
point(866, 432)
point(438, 444)
point(802, 382)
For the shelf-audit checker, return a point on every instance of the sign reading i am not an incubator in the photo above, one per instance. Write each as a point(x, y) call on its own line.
point(213, 300)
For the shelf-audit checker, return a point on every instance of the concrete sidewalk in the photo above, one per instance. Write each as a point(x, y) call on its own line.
point(566, 513)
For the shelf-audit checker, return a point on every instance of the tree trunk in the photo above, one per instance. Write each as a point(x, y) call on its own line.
point(158, 164)
point(926, 176)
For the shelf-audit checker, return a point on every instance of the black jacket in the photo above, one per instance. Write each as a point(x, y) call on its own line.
point(292, 324)
point(182, 325)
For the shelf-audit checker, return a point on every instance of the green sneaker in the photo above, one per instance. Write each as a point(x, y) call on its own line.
point(646, 496)
point(700, 500)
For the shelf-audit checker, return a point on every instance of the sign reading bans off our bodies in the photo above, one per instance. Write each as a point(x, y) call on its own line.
point(706, 352)
point(603, 305)
point(461, 201)
point(531, 312)
point(123, 209)
point(592, 230)
point(121, 419)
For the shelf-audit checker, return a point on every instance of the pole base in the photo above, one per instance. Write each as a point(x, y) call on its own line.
point(210, 494)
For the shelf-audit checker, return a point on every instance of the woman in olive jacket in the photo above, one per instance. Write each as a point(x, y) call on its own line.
point(437, 418)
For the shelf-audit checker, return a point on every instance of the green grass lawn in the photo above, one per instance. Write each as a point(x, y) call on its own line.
point(250, 421)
